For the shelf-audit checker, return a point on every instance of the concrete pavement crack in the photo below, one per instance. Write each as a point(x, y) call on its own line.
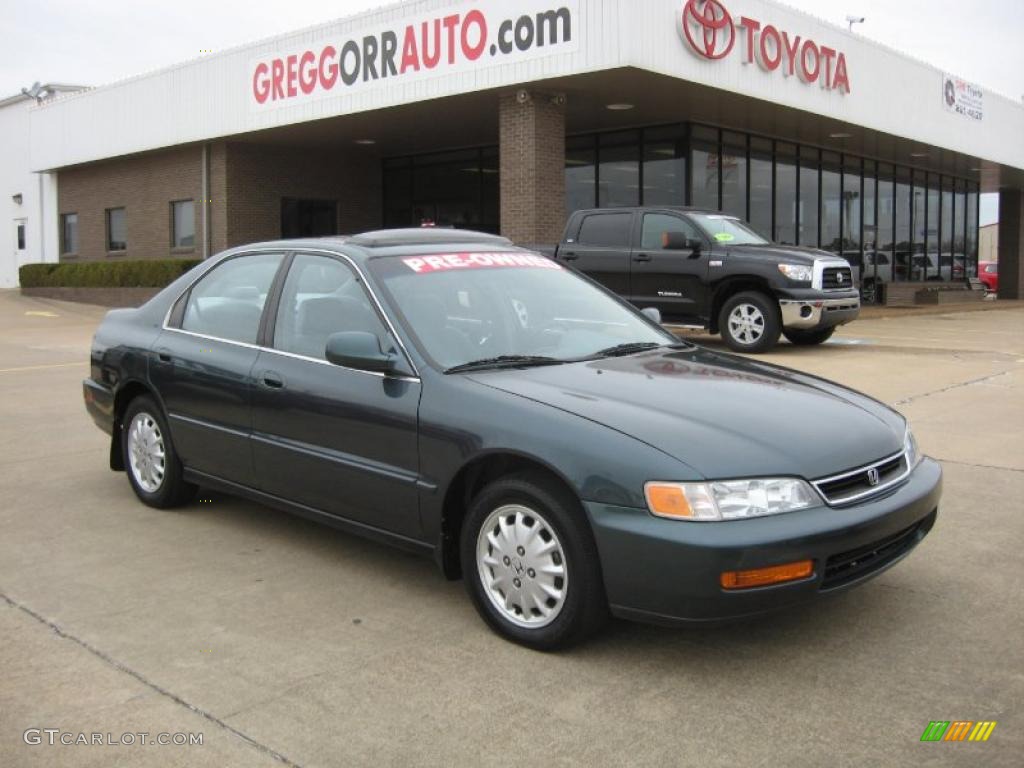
point(959, 384)
point(110, 661)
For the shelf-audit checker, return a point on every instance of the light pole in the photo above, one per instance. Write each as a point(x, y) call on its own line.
point(851, 20)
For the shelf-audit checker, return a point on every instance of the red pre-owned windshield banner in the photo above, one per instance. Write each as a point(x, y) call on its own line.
point(446, 262)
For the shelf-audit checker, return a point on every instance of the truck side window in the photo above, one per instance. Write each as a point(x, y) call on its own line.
point(656, 224)
point(605, 229)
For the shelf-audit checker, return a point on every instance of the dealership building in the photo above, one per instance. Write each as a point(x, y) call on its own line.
point(506, 116)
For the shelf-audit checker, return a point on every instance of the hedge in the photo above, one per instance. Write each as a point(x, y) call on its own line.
point(148, 273)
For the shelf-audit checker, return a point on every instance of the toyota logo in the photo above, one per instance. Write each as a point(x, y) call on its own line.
point(708, 28)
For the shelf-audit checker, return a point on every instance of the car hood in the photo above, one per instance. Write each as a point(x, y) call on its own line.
point(790, 254)
point(724, 416)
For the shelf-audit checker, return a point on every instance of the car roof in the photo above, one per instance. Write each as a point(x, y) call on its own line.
point(387, 242)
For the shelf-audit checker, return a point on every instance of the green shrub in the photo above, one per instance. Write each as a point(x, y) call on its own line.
point(148, 273)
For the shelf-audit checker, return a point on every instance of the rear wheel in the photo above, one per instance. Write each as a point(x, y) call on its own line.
point(749, 322)
point(530, 563)
point(807, 338)
point(150, 461)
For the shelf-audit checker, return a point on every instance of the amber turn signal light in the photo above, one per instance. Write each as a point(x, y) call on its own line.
point(760, 577)
point(667, 501)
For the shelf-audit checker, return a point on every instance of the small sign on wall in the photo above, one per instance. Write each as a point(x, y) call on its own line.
point(962, 97)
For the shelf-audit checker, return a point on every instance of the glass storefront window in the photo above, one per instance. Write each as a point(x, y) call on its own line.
point(919, 229)
point(810, 205)
point(972, 231)
point(704, 181)
point(785, 193)
point(930, 266)
point(580, 173)
point(869, 239)
point(491, 192)
point(902, 218)
point(760, 215)
point(664, 166)
point(618, 172)
point(959, 231)
point(831, 203)
point(734, 174)
point(850, 211)
point(398, 192)
point(946, 231)
point(884, 235)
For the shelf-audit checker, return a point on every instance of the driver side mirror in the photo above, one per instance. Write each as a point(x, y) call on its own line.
point(677, 241)
point(652, 313)
point(359, 350)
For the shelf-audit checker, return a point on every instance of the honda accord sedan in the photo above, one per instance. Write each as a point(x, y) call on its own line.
point(449, 393)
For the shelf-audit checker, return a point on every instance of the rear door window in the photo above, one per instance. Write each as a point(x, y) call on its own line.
point(607, 230)
point(227, 303)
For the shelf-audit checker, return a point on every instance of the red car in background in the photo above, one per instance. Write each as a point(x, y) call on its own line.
point(988, 273)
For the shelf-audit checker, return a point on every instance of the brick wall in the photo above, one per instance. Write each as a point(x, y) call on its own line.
point(144, 185)
point(532, 164)
point(258, 177)
point(246, 182)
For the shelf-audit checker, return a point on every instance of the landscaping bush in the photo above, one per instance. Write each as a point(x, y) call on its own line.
point(148, 273)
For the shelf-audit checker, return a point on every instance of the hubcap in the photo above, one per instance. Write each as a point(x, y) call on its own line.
point(522, 566)
point(146, 453)
point(746, 323)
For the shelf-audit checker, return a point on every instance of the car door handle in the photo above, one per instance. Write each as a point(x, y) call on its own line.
point(569, 256)
point(163, 355)
point(642, 257)
point(272, 380)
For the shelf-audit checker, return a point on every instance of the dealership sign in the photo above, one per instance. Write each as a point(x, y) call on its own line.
point(962, 97)
point(712, 33)
point(461, 38)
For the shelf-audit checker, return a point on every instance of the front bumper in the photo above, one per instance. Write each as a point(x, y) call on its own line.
point(815, 314)
point(668, 571)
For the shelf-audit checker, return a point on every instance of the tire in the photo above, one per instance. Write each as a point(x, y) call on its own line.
point(807, 338)
point(756, 325)
point(155, 475)
point(558, 541)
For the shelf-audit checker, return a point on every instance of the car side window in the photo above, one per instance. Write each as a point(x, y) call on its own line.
point(605, 230)
point(322, 296)
point(656, 224)
point(227, 302)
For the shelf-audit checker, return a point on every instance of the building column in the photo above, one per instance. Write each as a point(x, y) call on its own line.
point(532, 166)
point(1011, 243)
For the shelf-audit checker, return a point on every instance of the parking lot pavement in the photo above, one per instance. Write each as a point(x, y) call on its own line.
point(282, 642)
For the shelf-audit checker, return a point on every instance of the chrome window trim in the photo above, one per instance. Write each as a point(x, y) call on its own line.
point(284, 252)
point(864, 494)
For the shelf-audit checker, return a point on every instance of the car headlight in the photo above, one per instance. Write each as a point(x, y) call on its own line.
point(911, 450)
point(798, 272)
point(729, 499)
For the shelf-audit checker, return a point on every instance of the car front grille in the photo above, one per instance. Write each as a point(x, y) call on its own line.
point(863, 482)
point(855, 564)
point(836, 277)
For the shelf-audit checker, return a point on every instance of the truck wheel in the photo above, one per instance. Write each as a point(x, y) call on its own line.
point(749, 322)
point(150, 460)
point(806, 338)
point(530, 563)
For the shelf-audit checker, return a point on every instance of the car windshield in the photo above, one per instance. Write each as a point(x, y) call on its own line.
point(727, 229)
point(511, 308)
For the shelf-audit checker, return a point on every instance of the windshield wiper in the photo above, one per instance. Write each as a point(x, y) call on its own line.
point(627, 349)
point(504, 361)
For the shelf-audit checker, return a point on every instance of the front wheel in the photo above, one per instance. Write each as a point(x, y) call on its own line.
point(530, 563)
point(750, 322)
point(807, 338)
point(153, 467)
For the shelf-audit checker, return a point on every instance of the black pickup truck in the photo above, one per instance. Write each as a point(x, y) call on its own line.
point(708, 269)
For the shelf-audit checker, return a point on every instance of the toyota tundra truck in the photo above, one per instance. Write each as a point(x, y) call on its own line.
point(710, 270)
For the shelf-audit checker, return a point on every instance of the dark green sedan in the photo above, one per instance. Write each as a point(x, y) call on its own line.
point(449, 393)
